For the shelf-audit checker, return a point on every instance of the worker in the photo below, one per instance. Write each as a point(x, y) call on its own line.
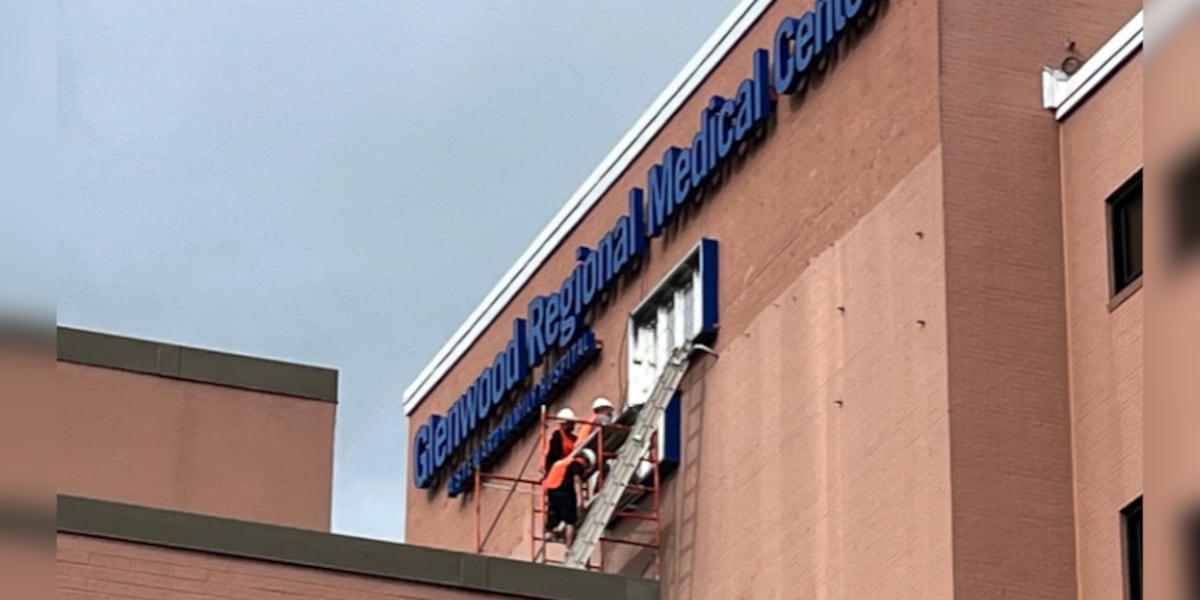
point(562, 439)
point(564, 495)
point(602, 412)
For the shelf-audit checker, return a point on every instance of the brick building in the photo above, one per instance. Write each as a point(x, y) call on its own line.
point(922, 285)
point(910, 231)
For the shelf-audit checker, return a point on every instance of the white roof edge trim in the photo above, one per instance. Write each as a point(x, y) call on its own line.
point(1062, 93)
point(714, 49)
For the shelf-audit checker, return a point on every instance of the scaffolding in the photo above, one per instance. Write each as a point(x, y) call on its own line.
point(540, 541)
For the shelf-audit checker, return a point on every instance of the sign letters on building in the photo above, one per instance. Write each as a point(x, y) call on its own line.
point(553, 322)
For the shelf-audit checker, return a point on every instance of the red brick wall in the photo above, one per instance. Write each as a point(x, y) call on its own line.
point(817, 449)
point(828, 162)
point(1101, 148)
point(98, 569)
point(946, 471)
point(1007, 340)
point(194, 447)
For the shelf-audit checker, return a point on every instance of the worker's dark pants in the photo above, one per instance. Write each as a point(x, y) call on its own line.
point(561, 506)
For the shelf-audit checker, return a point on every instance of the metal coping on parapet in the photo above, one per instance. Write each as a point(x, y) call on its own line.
point(147, 357)
point(711, 53)
point(321, 550)
point(1062, 93)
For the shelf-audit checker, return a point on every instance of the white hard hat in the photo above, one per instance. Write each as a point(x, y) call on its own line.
point(602, 402)
point(589, 456)
point(566, 413)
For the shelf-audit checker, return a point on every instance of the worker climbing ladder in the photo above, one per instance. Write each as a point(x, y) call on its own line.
point(641, 436)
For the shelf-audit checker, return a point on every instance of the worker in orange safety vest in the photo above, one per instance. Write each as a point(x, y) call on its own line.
point(561, 441)
point(602, 412)
point(563, 488)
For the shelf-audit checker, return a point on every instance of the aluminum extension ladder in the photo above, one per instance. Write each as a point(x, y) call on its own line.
point(635, 447)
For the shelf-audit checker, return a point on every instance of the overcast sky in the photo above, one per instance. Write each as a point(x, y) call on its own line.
point(335, 183)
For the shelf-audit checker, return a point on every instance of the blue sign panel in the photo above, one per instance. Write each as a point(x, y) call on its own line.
point(553, 322)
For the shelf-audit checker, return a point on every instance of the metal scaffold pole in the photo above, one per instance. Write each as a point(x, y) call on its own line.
point(614, 490)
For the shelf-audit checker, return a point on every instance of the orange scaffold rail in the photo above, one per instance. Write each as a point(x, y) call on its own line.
point(538, 540)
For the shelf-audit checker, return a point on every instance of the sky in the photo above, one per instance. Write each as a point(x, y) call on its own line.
point(27, 124)
point(334, 183)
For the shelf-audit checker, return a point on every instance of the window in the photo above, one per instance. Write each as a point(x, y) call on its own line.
point(1132, 520)
point(1125, 233)
point(681, 308)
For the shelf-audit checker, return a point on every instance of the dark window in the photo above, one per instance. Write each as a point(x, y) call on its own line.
point(1132, 517)
point(1125, 224)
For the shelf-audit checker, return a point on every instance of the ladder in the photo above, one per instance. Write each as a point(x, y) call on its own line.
point(636, 445)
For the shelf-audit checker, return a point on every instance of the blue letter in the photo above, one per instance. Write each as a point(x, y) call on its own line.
point(454, 416)
point(745, 110)
point(422, 461)
point(804, 42)
point(683, 182)
point(577, 291)
point(566, 326)
point(591, 275)
point(635, 225)
point(604, 259)
point(441, 448)
point(537, 339)
point(662, 191)
point(700, 164)
point(567, 301)
point(714, 105)
point(497, 378)
point(552, 315)
point(762, 85)
point(516, 356)
point(785, 73)
point(620, 246)
point(725, 130)
point(824, 15)
point(470, 411)
point(482, 406)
